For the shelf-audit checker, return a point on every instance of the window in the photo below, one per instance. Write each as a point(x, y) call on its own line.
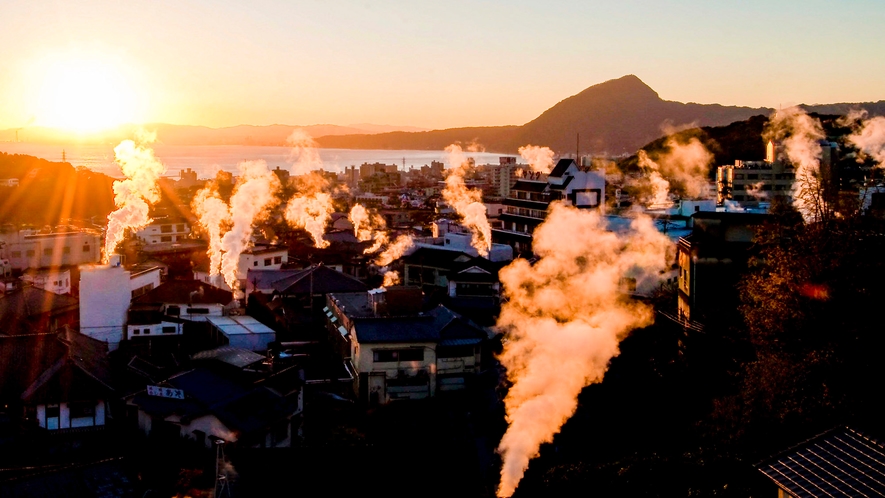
point(66, 250)
point(255, 263)
point(166, 238)
point(179, 228)
point(277, 260)
point(412, 354)
point(387, 355)
point(29, 252)
point(47, 251)
point(16, 254)
point(136, 331)
point(738, 176)
point(81, 409)
point(752, 176)
point(165, 228)
point(52, 411)
point(267, 261)
point(455, 351)
point(146, 331)
point(86, 248)
point(198, 311)
point(169, 330)
point(173, 310)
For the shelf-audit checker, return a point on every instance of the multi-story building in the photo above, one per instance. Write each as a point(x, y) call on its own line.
point(526, 207)
point(754, 181)
point(164, 230)
point(28, 249)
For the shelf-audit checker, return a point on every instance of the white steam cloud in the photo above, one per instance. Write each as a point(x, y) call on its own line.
point(133, 195)
point(799, 133)
point(467, 202)
point(686, 164)
point(214, 216)
point(312, 213)
point(254, 195)
point(394, 251)
point(540, 159)
point(564, 318)
point(869, 138)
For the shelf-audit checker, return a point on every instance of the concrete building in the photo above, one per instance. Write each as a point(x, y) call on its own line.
point(257, 257)
point(752, 182)
point(526, 207)
point(105, 295)
point(164, 230)
point(28, 249)
point(55, 280)
point(241, 332)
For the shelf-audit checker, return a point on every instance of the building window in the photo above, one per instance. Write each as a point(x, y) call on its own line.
point(80, 409)
point(16, 254)
point(166, 238)
point(146, 331)
point(136, 331)
point(47, 251)
point(277, 260)
point(52, 411)
point(255, 263)
point(29, 252)
point(173, 310)
point(267, 261)
point(66, 250)
point(179, 228)
point(166, 229)
point(392, 355)
point(86, 248)
point(169, 330)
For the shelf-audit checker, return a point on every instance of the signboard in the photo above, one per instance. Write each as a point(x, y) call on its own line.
point(165, 392)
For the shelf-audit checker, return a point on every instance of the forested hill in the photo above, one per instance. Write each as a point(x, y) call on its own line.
point(614, 117)
point(52, 193)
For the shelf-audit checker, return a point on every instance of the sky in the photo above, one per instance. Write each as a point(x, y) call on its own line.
point(421, 63)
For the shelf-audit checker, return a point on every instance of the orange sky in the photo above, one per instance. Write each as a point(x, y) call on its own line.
point(426, 64)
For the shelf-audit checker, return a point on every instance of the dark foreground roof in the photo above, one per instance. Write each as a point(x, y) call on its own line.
point(840, 462)
point(185, 291)
point(318, 279)
point(440, 325)
point(30, 302)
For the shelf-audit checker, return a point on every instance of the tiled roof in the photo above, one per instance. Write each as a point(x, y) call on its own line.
point(529, 186)
point(560, 167)
point(840, 462)
point(185, 291)
point(435, 325)
point(318, 279)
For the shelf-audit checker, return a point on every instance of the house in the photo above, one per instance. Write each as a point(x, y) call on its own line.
point(241, 332)
point(204, 405)
point(259, 256)
point(526, 206)
point(55, 280)
point(59, 382)
point(398, 352)
point(29, 310)
point(839, 462)
point(188, 300)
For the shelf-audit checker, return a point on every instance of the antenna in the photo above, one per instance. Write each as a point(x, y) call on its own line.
point(578, 150)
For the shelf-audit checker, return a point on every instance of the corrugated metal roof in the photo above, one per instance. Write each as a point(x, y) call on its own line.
point(841, 462)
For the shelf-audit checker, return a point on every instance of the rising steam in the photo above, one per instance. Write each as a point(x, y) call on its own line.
point(684, 164)
point(540, 159)
point(254, 194)
point(467, 202)
point(390, 278)
point(214, 216)
point(305, 156)
point(133, 195)
point(799, 133)
point(564, 318)
point(312, 213)
point(869, 138)
point(394, 251)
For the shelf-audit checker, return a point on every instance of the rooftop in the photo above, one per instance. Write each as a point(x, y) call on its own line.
point(840, 462)
point(185, 291)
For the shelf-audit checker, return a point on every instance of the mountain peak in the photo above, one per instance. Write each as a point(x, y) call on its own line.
point(629, 87)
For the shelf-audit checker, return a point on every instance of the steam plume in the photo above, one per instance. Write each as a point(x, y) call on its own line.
point(213, 215)
point(394, 251)
point(869, 138)
point(799, 134)
point(254, 195)
point(467, 203)
point(133, 195)
point(305, 156)
point(312, 213)
point(685, 164)
point(540, 159)
point(390, 278)
point(564, 318)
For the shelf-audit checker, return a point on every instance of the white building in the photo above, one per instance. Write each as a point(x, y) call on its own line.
point(28, 249)
point(105, 294)
point(258, 257)
point(164, 230)
point(241, 332)
point(55, 280)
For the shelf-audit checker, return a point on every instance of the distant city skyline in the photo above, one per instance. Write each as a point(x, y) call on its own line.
point(87, 65)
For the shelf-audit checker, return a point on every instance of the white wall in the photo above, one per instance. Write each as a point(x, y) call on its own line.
point(139, 280)
point(25, 249)
point(55, 281)
point(153, 330)
point(249, 261)
point(105, 294)
point(153, 233)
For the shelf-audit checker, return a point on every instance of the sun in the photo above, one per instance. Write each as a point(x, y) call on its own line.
point(85, 95)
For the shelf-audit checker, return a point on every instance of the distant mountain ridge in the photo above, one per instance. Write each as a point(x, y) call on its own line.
point(615, 117)
point(169, 134)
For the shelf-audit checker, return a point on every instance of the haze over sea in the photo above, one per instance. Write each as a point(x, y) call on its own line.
point(207, 160)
